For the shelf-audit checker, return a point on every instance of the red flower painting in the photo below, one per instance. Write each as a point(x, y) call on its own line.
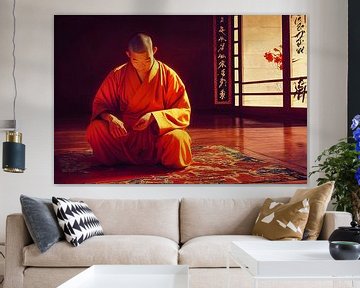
point(275, 55)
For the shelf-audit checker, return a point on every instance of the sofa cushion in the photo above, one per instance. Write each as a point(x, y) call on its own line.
point(77, 220)
point(107, 249)
point(211, 251)
point(158, 217)
point(279, 221)
point(319, 198)
point(201, 217)
point(41, 221)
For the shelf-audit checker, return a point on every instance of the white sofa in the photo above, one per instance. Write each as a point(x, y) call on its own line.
point(194, 232)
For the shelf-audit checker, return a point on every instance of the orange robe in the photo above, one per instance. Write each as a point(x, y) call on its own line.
point(124, 95)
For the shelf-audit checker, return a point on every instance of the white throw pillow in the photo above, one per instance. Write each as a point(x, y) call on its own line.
point(77, 220)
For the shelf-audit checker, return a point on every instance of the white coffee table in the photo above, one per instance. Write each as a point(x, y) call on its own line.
point(131, 276)
point(296, 260)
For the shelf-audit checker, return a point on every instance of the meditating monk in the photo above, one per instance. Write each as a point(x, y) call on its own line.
point(140, 112)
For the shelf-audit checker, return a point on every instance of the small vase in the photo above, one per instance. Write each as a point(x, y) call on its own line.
point(344, 250)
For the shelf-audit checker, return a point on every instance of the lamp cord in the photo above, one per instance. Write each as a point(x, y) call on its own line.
point(2, 280)
point(14, 61)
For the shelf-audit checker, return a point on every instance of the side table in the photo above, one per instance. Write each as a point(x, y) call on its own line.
point(293, 264)
point(131, 276)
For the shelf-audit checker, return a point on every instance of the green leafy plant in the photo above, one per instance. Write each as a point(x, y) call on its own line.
point(341, 163)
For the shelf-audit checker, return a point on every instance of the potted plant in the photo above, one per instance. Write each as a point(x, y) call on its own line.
point(341, 163)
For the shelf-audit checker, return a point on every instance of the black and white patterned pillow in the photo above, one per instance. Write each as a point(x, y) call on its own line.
point(77, 220)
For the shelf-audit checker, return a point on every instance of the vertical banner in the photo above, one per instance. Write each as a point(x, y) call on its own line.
point(222, 59)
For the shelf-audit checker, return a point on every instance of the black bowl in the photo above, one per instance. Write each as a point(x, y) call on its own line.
point(344, 250)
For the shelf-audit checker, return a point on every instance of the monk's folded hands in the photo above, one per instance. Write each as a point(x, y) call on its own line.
point(144, 122)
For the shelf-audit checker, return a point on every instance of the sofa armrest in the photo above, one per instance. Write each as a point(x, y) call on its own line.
point(17, 237)
point(333, 220)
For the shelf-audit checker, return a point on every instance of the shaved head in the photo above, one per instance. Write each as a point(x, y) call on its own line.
point(141, 52)
point(140, 43)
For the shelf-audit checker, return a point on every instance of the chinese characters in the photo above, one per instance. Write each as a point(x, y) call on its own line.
point(222, 40)
point(300, 89)
point(300, 33)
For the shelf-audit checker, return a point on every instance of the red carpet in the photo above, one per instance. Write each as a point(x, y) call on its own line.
point(211, 165)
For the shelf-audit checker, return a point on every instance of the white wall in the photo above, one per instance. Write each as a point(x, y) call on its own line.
point(34, 39)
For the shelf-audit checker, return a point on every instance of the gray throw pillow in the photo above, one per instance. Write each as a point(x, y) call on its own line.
point(41, 221)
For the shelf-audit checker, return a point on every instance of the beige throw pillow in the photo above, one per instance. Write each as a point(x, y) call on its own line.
point(319, 198)
point(279, 221)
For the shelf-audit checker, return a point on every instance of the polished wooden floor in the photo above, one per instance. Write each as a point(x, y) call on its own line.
point(279, 142)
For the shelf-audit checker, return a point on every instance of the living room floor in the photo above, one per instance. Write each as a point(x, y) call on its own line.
point(279, 142)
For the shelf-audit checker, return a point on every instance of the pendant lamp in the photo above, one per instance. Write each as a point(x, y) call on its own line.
point(13, 150)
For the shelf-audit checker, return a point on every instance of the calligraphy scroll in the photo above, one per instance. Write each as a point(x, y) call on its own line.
point(298, 33)
point(222, 59)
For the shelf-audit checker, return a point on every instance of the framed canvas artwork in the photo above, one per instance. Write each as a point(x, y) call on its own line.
point(180, 99)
